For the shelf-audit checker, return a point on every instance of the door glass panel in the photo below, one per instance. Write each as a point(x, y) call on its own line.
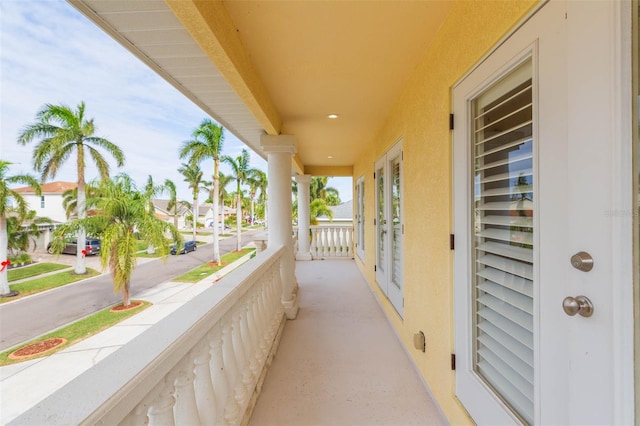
point(502, 260)
point(381, 219)
point(360, 216)
point(396, 266)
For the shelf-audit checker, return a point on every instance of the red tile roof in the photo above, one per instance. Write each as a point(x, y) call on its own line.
point(57, 187)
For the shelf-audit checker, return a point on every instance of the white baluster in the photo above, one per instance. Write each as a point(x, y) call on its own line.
point(247, 373)
point(351, 234)
point(185, 408)
point(314, 243)
point(231, 409)
point(218, 374)
point(341, 250)
point(161, 408)
point(238, 350)
point(252, 326)
point(322, 246)
point(261, 321)
point(205, 395)
point(276, 301)
point(331, 242)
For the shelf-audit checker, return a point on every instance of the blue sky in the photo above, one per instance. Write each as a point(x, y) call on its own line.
point(50, 53)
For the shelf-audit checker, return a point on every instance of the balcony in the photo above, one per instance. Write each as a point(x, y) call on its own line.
point(214, 354)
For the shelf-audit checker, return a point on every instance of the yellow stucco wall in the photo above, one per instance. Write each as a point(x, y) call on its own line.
point(421, 119)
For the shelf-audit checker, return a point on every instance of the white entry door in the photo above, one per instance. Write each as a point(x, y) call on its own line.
point(538, 164)
point(389, 226)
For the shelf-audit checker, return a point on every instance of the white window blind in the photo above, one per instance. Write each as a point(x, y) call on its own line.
point(502, 260)
point(396, 273)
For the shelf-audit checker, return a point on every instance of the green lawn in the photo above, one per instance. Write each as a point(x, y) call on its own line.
point(33, 270)
point(78, 331)
point(38, 285)
point(203, 271)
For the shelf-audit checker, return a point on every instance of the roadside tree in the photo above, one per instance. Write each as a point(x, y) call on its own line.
point(123, 212)
point(61, 131)
point(10, 202)
point(206, 143)
point(240, 172)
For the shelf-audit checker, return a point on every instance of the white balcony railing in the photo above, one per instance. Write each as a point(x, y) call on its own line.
point(202, 364)
point(331, 242)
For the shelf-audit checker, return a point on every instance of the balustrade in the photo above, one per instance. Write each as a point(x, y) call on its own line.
point(331, 242)
point(201, 365)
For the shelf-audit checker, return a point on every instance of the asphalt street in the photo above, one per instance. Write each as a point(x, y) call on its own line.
point(36, 315)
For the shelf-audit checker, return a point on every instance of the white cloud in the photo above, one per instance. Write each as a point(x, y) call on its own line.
point(49, 53)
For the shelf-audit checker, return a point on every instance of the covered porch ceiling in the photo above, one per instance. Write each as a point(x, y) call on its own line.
point(281, 67)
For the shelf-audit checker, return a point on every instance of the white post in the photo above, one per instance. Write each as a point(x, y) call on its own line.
point(304, 217)
point(279, 151)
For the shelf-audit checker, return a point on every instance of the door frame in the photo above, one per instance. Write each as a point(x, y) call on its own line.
point(618, 16)
point(384, 275)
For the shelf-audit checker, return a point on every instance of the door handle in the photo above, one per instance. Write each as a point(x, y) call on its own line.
point(577, 305)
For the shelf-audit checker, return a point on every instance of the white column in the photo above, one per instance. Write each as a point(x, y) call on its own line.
point(279, 151)
point(304, 217)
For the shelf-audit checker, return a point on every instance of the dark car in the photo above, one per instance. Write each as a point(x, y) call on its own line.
point(71, 247)
point(186, 248)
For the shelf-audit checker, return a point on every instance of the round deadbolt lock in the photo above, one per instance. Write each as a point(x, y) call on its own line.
point(582, 261)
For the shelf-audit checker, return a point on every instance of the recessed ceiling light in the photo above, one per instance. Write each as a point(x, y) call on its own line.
point(332, 116)
point(329, 156)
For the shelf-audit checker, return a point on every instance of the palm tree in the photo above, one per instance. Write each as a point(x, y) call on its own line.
point(70, 198)
point(207, 143)
point(193, 176)
point(207, 185)
point(254, 184)
point(7, 199)
point(319, 207)
point(173, 203)
point(240, 172)
point(224, 181)
point(261, 180)
point(318, 189)
point(151, 191)
point(124, 213)
point(62, 131)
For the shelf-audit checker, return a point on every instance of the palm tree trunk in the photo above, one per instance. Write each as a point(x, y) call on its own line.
point(4, 281)
point(125, 294)
point(222, 214)
point(175, 217)
point(266, 218)
point(81, 267)
point(195, 217)
point(252, 211)
point(239, 219)
point(216, 207)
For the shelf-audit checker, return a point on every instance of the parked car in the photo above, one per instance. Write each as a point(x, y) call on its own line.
point(71, 247)
point(186, 248)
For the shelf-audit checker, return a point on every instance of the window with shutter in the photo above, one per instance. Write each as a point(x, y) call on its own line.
point(502, 252)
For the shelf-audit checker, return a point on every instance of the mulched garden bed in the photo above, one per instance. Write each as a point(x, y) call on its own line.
point(37, 348)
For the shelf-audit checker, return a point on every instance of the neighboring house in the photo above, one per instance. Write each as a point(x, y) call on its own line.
point(163, 212)
point(205, 215)
point(49, 203)
point(342, 215)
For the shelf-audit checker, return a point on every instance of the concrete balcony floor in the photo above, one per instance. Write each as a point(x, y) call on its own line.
point(339, 362)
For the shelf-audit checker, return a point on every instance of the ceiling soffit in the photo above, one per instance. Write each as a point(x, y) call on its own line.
point(282, 66)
